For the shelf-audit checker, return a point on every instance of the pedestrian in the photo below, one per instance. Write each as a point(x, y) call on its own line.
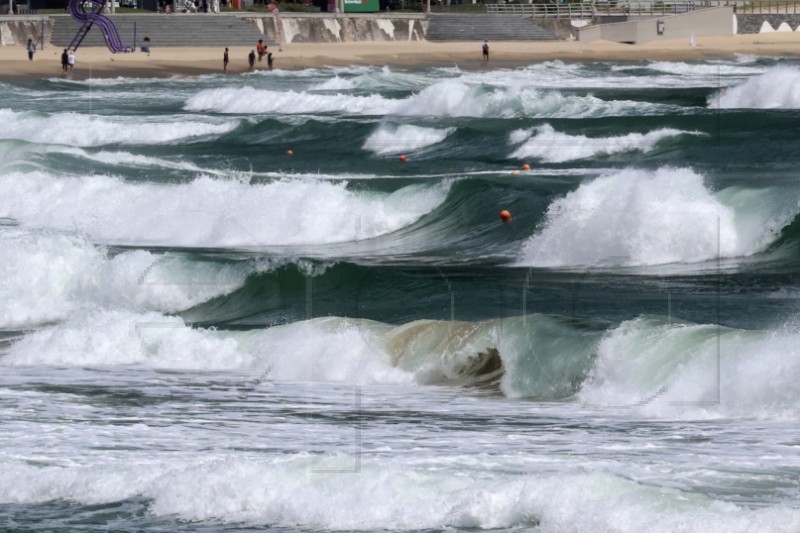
point(225, 60)
point(71, 60)
point(261, 49)
point(269, 60)
point(64, 60)
point(252, 59)
point(485, 51)
point(31, 49)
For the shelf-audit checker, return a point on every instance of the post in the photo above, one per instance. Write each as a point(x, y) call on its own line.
point(429, 7)
point(41, 35)
point(134, 36)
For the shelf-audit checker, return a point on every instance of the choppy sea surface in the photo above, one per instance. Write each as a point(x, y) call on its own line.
point(200, 331)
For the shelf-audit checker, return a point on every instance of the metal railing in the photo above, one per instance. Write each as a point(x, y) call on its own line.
point(767, 8)
point(585, 10)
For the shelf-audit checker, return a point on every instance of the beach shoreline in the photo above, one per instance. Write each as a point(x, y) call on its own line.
point(97, 62)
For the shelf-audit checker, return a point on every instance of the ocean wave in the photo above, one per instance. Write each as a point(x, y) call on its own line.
point(551, 146)
point(389, 139)
point(372, 79)
point(75, 129)
point(640, 218)
point(648, 366)
point(212, 212)
point(778, 88)
point(446, 98)
point(47, 277)
point(388, 494)
point(330, 349)
point(665, 369)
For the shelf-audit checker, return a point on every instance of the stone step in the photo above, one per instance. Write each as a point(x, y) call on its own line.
point(478, 27)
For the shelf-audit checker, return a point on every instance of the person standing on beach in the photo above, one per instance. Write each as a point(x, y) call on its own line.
point(269, 60)
point(261, 49)
point(64, 60)
point(225, 60)
point(31, 49)
point(485, 51)
point(71, 60)
point(252, 59)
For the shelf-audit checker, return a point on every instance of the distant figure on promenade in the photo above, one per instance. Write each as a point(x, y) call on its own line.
point(225, 60)
point(71, 60)
point(485, 51)
point(269, 60)
point(261, 49)
point(31, 49)
point(64, 60)
point(252, 59)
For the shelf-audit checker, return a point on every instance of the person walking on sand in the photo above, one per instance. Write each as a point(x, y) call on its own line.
point(251, 59)
point(64, 60)
point(31, 49)
point(225, 60)
point(485, 51)
point(269, 60)
point(71, 60)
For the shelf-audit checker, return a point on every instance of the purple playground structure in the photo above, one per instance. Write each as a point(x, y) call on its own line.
point(88, 12)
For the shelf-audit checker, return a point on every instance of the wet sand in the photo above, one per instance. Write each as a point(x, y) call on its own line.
point(168, 62)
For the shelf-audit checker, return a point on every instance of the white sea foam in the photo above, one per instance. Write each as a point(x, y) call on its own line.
point(711, 70)
point(76, 129)
point(389, 139)
point(211, 212)
point(46, 277)
point(639, 217)
point(778, 88)
point(551, 146)
point(299, 491)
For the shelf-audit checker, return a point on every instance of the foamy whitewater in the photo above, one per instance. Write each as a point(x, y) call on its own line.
point(228, 304)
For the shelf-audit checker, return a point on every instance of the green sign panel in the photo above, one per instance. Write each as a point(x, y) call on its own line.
point(361, 6)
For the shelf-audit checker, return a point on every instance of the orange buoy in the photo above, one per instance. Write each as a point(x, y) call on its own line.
point(289, 152)
point(526, 166)
point(505, 216)
point(403, 158)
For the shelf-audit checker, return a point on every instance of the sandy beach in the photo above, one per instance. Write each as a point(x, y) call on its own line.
point(169, 62)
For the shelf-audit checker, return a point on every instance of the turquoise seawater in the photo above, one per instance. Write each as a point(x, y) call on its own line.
point(228, 305)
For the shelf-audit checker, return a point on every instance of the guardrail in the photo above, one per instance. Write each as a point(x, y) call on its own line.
point(586, 10)
point(768, 7)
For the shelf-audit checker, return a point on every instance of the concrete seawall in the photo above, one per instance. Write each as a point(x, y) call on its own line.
point(305, 28)
point(21, 28)
point(711, 21)
point(294, 27)
point(381, 27)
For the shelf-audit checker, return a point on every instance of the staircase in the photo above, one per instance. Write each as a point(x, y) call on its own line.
point(442, 27)
point(168, 30)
